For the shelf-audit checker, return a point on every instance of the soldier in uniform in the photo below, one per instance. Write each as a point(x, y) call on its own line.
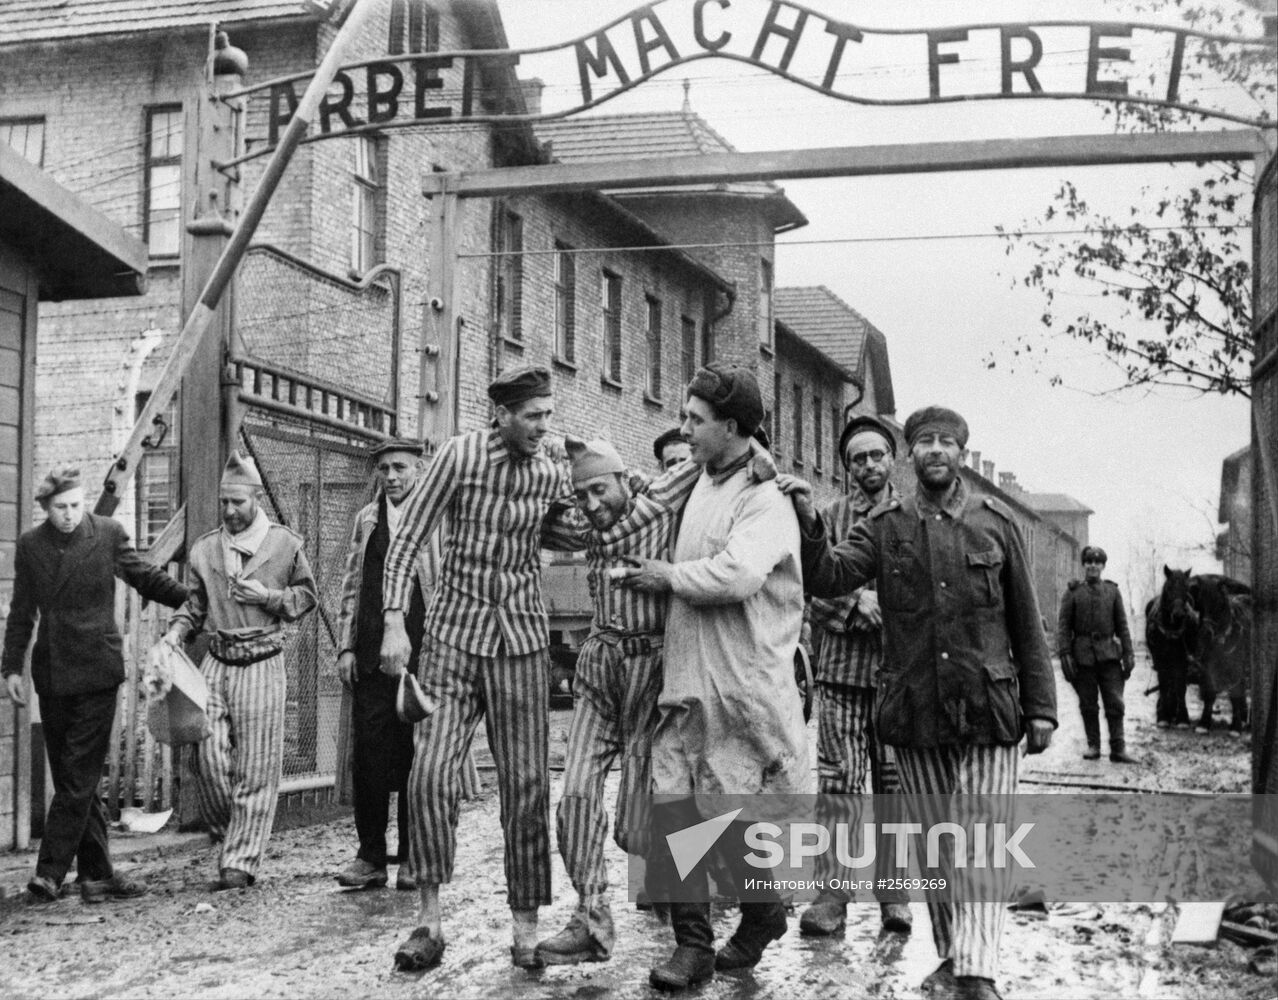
point(1092, 636)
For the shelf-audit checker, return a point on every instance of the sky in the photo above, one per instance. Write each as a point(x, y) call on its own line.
point(1147, 463)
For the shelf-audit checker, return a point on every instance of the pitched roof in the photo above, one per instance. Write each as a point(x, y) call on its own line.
point(25, 21)
point(1054, 503)
point(826, 322)
point(652, 134)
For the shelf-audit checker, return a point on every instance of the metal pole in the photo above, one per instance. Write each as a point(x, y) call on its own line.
point(202, 314)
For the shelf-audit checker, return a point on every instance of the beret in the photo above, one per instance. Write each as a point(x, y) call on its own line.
point(57, 481)
point(396, 444)
point(732, 391)
point(591, 458)
point(240, 471)
point(1093, 552)
point(936, 419)
point(669, 437)
point(865, 422)
point(517, 385)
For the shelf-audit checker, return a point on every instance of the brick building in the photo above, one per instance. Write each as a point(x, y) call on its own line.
point(1234, 513)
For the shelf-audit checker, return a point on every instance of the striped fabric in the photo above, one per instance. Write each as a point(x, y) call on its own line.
point(512, 694)
point(239, 765)
point(488, 596)
point(851, 762)
point(614, 711)
point(968, 932)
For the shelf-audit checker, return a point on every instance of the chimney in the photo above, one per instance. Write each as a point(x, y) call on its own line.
point(976, 461)
point(987, 470)
point(532, 94)
point(1007, 482)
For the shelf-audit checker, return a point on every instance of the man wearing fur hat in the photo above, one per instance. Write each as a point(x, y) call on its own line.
point(966, 673)
point(382, 751)
point(64, 577)
point(850, 634)
point(249, 578)
point(730, 717)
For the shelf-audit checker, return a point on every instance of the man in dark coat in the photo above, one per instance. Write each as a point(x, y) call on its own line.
point(1092, 636)
point(65, 572)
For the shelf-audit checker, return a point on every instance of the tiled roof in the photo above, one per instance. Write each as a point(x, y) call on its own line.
point(1054, 503)
point(649, 135)
point(826, 322)
point(25, 21)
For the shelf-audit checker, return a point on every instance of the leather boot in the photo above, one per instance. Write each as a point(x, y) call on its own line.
point(761, 924)
point(1118, 753)
point(693, 958)
point(826, 916)
point(1091, 727)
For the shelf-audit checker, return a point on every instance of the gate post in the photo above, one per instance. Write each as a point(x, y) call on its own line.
point(437, 398)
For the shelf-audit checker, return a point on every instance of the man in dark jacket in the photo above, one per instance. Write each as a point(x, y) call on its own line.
point(966, 673)
point(1091, 637)
point(65, 571)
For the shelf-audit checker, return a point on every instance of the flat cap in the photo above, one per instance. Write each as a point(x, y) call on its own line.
point(1093, 553)
point(733, 391)
point(672, 436)
point(240, 471)
point(865, 422)
point(57, 481)
point(591, 458)
point(396, 444)
point(936, 419)
point(517, 385)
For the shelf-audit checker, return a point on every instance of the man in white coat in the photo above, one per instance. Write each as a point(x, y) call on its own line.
point(731, 719)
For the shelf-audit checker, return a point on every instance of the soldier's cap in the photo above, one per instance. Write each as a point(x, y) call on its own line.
point(1093, 553)
point(58, 480)
point(865, 422)
point(734, 393)
point(518, 385)
point(672, 436)
point(935, 419)
point(591, 458)
point(241, 470)
point(396, 444)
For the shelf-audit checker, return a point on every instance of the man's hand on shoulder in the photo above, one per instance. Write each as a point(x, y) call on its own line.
point(650, 575)
point(800, 493)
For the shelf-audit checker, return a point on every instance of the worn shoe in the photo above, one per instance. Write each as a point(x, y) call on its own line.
point(233, 878)
point(1163, 724)
point(420, 951)
point(826, 916)
point(1121, 757)
point(115, 887)
point(687, 967)
point(361, 874)
point(1091, 753)
point(43, 890)
point(761, 924)
point(940, 981)
point(976, 988)
point(575, 943)
point(897, 917)
point(405, 881)
point(523, 957)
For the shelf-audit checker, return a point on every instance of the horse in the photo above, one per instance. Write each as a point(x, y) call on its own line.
point(1223, 646)
point(1171, 635)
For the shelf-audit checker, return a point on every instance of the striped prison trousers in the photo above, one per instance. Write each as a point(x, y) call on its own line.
point(848, 753)
point(512, 695)
point(614, 713)
point(239, 765)
point(967, 930)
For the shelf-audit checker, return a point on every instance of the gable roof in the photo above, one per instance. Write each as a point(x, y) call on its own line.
point(646, 135)
point(27, 21)
point(1054, 503)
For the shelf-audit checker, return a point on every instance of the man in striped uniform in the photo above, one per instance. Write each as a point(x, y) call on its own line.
point(966, 672)
point(248, 579)
point(850, 643)
point(487, 650)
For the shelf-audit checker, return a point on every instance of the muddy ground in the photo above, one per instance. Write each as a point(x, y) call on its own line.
point(297, 934)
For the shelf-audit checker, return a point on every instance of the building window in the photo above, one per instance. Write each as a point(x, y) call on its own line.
point(818, 442)
point(776, 413)
point(707, 339)
point(365, 204)
point(414, 27)
point(565, 301)
point(798, 424)
point(652, 339)
point(510, 275)
point(688, 349)
point(836, 430)
point(162, 211)
point(611, 298)
point(157, 479)
point(765, 304)
point(25, 136)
